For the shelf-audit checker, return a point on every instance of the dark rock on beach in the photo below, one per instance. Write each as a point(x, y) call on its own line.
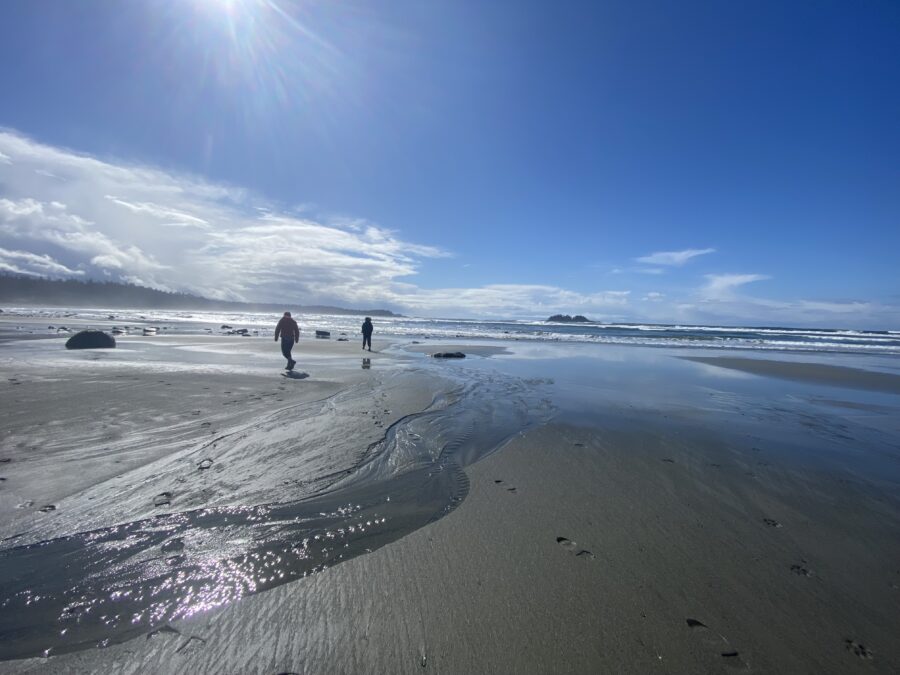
point(324, 334)
point(91, 339)
point(449, 355)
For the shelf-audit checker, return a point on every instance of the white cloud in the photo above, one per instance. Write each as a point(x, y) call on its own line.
point(122, 221)
point(161, 212)
point(674, 258)
point(128, 221)
point(24, 262)
point(720, 286)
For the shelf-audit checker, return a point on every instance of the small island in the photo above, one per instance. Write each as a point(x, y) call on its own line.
point(565, 318)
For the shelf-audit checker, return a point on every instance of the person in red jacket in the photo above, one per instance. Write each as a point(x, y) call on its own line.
point(289, 332)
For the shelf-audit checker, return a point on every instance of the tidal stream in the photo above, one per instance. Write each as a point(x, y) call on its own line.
point(95, 588)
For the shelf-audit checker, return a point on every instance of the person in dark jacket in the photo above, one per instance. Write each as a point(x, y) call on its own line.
point(367, 329)
point(289, 332)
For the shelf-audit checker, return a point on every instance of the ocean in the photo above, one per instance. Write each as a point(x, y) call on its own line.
point(769, 338)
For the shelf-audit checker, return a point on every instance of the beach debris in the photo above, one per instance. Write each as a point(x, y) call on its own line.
point(449, 355)
point(149, 331)
point(25, 505)
point(693, 623)
point(47, 508)
point(91, 339)
point(5, 460)
point(323, 334)
point(668, 460)
point(225, 327)
point(205, 464)
point(162, 499)
point(343, 339)
point(771, 523)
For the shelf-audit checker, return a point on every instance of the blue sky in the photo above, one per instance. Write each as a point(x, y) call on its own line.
point(728, 162)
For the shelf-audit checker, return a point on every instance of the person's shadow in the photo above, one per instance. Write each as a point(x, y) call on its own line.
point(367, 363)
point(293, 375)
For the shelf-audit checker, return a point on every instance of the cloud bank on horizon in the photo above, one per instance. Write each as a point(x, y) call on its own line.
point(66, 214)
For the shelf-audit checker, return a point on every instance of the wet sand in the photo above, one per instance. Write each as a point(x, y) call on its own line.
point(699, 525)
point(816, 373)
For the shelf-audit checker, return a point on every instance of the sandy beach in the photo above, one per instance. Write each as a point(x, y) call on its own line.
point(180, 504)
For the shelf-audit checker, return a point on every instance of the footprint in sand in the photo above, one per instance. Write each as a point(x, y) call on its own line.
point(800, 569)
point(857, 649)
point(771, 523)
point(47, 508)
point(716, 643)
point(173, 545)
point(508, 489)
point(192, 644)
point(572, 547)
point(162, 499)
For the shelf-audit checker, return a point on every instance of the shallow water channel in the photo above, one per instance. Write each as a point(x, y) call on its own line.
point(109, 585)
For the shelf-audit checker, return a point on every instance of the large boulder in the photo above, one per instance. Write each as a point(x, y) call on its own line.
point(91, 339)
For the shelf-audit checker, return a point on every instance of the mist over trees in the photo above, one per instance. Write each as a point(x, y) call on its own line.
point(39, 291)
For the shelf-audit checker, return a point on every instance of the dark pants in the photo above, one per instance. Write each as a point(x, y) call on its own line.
point(287, 344)
point(367, 340)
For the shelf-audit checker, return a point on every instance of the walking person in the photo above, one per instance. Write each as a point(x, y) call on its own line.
point(289, 332)
point(367, 329)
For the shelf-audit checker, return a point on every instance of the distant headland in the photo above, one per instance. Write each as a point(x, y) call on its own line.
point(565, 318)
point(39, 291)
